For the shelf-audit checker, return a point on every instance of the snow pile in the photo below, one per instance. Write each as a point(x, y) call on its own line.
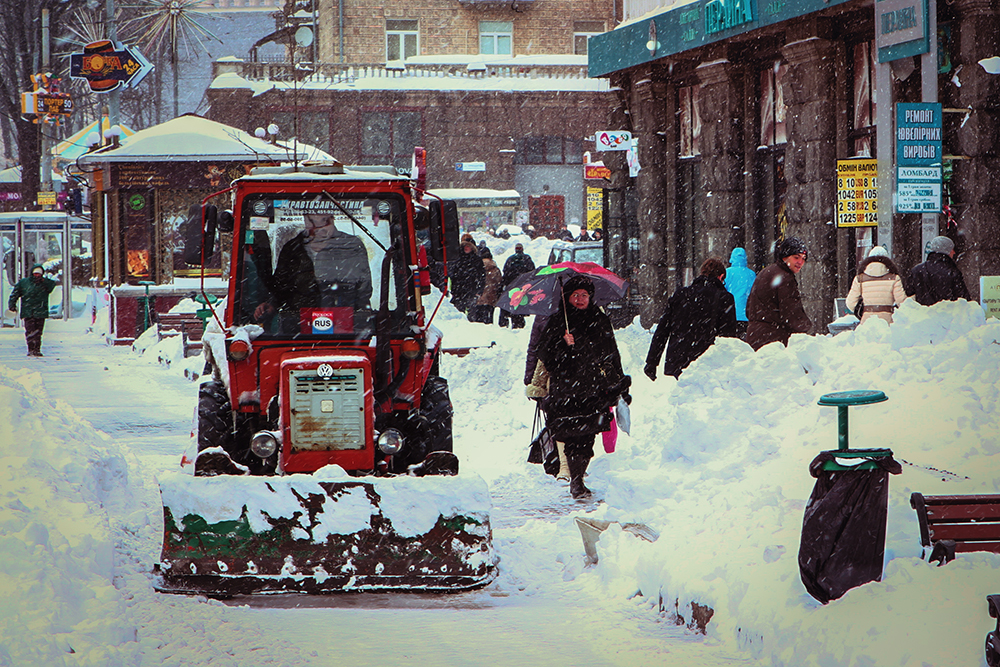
point(57, 562)
point(717, 463)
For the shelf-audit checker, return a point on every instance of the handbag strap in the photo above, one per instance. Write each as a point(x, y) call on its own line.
point(537, 420)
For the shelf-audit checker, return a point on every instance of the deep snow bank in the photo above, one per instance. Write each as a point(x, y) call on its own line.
point(718, 463)
point(57, 558)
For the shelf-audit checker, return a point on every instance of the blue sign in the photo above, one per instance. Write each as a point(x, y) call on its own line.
point(918, 158)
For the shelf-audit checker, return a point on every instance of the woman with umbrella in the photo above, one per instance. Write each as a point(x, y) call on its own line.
point(579, 351)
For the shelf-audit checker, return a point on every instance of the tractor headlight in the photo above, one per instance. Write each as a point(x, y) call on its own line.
point(390, 441)
point(264, 444)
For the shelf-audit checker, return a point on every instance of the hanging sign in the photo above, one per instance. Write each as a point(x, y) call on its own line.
point(107, 68)
point(918, 157)
point(900, 29)
point(857, 193)
point(613, 140)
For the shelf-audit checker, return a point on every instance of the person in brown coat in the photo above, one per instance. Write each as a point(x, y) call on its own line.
point(774, 307)
point(877, 286)
point(483, 310)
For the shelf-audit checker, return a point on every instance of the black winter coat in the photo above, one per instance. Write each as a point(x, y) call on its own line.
point(937, 279)
point(296, 285)
point(468, 277)
point(774, 307)
point(694, 316)
point(517, 264)
point(586, 377)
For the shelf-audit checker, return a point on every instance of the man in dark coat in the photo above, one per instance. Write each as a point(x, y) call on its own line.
point(468, 277)
point(516, 265)
point(322, 267)
point(694, 316)
point(938, 278)
point(33, 293)
point(774, 307)
point(585, 376)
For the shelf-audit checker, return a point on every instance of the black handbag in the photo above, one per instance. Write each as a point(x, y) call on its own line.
point(859, 309)
point(542, 448)
point(572, 426)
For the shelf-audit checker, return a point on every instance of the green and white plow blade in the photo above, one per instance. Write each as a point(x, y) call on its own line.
point(230, 535)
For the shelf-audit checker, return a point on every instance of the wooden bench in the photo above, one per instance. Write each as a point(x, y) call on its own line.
point(957, 524)
point(188, 325)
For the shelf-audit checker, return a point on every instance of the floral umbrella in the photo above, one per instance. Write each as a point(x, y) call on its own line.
point(539, 292)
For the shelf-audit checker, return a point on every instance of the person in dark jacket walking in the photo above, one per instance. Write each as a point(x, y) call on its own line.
point(774, 307)
point(516, 265)
point(33, 292)
point(739, 279)
point(468, 277)
point(585, 376)
point(482, 311)
point(938, 278)
point(694, 316)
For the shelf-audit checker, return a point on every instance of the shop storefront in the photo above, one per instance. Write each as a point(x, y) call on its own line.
point(743, 112)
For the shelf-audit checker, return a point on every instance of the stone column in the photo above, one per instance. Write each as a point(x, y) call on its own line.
point(722, 198)
point(975, 184)
point(651, 110)
point(809, 89)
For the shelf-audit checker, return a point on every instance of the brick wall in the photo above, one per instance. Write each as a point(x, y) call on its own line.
point(448, 27)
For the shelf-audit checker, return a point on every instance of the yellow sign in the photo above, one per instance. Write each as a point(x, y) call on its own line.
point(857, 193)
point(46, 198)
point(989, 295)
point(595, 208)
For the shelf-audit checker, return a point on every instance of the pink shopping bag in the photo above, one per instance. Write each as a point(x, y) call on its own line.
point(610, 436)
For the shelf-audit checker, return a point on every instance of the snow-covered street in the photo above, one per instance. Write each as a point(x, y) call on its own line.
point(716, 464)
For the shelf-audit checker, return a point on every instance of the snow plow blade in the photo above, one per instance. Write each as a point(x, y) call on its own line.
point(226, 536)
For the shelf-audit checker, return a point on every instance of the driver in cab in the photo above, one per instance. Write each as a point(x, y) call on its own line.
point(322, 267)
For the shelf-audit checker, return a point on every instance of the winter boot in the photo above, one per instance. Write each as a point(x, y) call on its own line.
point(563, 473)
point(577, 469)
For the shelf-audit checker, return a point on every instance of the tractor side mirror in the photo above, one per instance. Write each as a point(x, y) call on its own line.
point(199, 234)
point(444, 230)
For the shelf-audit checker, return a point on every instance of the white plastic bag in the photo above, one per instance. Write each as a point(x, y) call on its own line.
point(622, 416)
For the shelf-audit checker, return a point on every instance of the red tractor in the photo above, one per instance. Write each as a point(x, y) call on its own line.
point(324, 399)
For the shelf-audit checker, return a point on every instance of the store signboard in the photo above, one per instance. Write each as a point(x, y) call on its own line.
point(989, 295)
point(857, 193)
point(918, 157)
point(900, 29)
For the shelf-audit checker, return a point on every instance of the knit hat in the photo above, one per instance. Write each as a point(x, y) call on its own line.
point(878, 251)
point(37, 268)
point(941, 244)
point(791, 246)
point(578, 282)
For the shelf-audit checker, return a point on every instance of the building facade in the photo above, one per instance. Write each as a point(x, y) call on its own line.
point(496, 92)
point(742, 111)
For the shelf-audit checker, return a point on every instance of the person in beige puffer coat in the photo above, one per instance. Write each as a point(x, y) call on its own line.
point(877, 285)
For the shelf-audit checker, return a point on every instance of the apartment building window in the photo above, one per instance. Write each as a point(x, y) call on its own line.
point(583, 31)
point(496, 37)
point(863, 118)
point(773, 112)
point(402, 39)
point(549, 150)
point(389, 137)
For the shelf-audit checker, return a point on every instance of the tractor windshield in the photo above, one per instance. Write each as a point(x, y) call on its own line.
point(311, 265)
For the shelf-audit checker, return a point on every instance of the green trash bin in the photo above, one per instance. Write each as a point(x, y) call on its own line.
point(843, 528)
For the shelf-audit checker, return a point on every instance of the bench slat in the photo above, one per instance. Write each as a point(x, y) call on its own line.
point(990, 499)
point(965, 531)
point(972, 547)
point(939, 513)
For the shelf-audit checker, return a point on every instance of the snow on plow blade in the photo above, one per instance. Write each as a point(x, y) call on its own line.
point(229, 535)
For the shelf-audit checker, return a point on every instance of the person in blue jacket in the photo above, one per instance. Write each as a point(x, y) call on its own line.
point(739, 280)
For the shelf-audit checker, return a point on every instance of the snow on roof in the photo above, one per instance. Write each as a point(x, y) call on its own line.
point(414, 75)
point(193, 138)
point(473, 193)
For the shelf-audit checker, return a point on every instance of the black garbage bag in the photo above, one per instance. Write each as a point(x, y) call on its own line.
point(843, 530)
